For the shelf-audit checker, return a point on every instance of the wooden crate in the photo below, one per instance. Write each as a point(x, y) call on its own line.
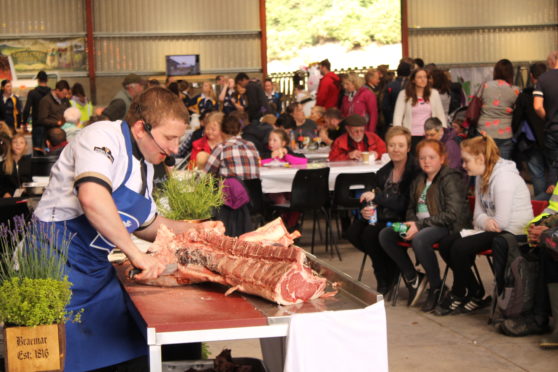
point(40, 348)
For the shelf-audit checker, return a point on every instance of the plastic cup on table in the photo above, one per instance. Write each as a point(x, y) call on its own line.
point(365, 156)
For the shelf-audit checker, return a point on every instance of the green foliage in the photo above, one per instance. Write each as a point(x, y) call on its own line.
point(293, 24)
point(40, 250)
point(32, 302)
point(189, 195)
point(34, 289)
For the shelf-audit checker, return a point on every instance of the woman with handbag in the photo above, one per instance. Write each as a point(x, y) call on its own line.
point(416, 103)
point(498, 98)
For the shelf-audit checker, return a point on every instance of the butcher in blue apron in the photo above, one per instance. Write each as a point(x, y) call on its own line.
point(100, 190)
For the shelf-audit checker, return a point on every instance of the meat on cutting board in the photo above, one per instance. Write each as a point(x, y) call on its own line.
point(263, 262)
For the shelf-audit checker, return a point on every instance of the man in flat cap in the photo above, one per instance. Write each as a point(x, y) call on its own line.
point(351, 145)
point(132, 86)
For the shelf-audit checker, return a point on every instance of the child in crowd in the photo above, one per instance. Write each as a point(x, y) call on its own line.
point(72, 117)
point(279, 149)
point(205, 101)
point(437, 207)
point(502, 204)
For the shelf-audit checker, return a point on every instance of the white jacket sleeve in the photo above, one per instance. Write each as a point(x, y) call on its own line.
point(437, 107)
point(399, 111)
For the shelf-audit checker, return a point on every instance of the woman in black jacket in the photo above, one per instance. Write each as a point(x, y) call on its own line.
point(437, 207)
point(391, 197)
point(16, 167)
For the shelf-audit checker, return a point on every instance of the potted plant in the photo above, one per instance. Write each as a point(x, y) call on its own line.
point(34, 292)
point(189, 195)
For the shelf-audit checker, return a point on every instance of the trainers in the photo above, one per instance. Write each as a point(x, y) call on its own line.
point(416, 287)
point(431, 299)
point(521, 326)
point(449, 305)
point(473, 304)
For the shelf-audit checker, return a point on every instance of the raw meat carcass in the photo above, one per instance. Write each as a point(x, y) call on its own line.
point(263, 262)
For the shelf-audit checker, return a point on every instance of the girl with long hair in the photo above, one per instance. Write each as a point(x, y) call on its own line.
point(15, 169)
point(416, 103)
point(502, 204)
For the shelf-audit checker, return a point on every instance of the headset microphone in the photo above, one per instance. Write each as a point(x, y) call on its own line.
point(169, 160)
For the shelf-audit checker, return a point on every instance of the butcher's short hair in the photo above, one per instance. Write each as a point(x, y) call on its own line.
point(156, 105)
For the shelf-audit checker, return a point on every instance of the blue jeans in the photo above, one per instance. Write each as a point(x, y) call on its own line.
point(505, 146)
point(551, 154)
point(536, 165)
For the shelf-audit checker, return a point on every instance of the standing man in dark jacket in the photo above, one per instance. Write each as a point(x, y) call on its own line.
point(525, 112)
point(52, 107)
point(545, 103)
point(32, 105)
point(329, 87)
point(255, 95)
point(392, 91)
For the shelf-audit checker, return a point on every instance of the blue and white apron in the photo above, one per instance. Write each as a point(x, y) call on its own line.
point(107, 334)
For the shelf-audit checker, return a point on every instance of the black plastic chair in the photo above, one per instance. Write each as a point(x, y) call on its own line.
point(310, 193)
point(344, 193)
point(257, 204)
point(41, 165)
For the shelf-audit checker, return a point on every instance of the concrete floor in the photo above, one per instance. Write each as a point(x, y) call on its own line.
point(425, 342)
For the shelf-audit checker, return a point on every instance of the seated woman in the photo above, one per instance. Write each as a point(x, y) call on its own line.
point(502, 203)
point(391, 197)
point(279, 149)
point(212, 136)
point(235, 157)
point(16, 167)
point(437, 207)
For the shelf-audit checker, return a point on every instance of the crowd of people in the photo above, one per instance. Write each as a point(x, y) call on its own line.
point(438, 156)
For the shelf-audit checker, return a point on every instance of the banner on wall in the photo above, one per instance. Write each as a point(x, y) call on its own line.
point(31, 55)
point(471, 78)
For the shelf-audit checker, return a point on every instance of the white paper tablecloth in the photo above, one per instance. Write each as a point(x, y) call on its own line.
point(280, 179)
point(349, 340)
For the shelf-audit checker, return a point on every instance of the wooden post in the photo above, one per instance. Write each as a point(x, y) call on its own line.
point(404, 29)
point(90, 49)
point(263, 39)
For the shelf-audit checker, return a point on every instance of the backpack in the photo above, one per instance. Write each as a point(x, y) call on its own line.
point(520, 278)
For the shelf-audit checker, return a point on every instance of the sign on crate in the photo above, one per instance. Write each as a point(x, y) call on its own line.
point(34, 348)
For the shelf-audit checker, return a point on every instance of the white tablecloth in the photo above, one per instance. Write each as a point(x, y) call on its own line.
point(280, 179)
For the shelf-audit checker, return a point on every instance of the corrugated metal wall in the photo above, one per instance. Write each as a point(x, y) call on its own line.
point(135, 35)
point(45, 17)
point(480, 31)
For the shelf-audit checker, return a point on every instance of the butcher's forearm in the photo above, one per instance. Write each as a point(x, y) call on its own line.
point(101, 212)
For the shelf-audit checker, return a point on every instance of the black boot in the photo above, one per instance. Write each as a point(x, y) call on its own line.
point(551, 341)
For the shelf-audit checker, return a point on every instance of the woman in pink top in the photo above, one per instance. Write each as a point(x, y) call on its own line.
point(279, 149)
point(359, 100)
point(416, 103)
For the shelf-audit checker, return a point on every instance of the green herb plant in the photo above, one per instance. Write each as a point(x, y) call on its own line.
point(34, 288)
point(189, 195)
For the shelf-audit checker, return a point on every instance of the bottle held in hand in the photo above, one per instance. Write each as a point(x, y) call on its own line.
point(373, 220)
point(399, 227)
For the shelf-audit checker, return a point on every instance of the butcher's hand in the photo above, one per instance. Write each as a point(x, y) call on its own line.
point(150, 267)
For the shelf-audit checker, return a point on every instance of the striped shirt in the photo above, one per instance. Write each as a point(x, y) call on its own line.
point(234, 158)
